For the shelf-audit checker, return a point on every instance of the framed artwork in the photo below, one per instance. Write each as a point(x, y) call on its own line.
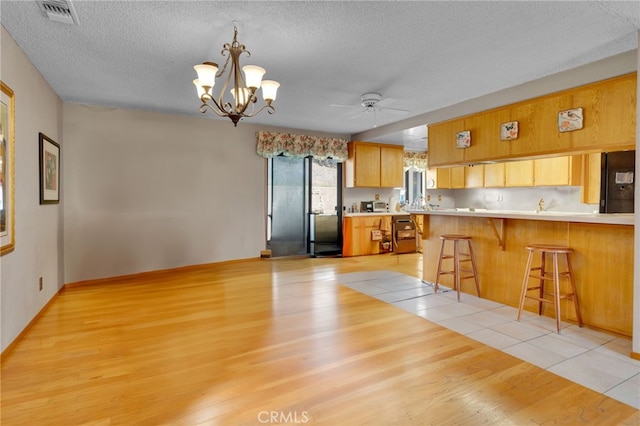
point(570, 120)
point(7, 166)
point(463, 139)
point(49, 171)
point(509, 131)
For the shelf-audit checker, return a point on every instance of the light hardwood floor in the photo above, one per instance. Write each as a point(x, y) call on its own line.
point(271, 341)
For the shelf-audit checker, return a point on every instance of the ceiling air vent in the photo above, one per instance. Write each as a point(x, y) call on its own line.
point(59, 11)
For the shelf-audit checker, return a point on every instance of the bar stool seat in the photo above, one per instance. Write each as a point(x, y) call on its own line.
point(458, 258)
point(541, 273)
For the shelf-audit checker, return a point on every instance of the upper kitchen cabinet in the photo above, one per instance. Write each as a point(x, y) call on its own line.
point(609, 115)
point(558, 171)
point(608, 124)
point(494, 175)
point(485, 141)
point(391, 166)
point(442, 143)
point(372, 165)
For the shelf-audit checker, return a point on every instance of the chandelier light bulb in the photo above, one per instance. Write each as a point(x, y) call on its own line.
point(253, 76)
point(207, 73)
point(269, 90)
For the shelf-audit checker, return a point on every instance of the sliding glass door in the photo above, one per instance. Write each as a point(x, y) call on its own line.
point(304, 206)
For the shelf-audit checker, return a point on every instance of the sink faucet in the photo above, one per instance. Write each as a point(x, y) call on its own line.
point(541, 205)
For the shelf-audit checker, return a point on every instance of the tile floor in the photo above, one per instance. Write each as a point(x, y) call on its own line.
point(596, 360)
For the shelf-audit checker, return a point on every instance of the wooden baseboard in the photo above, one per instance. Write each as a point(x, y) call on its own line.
point(7, 351)
point(635, 355)
point(145, 274)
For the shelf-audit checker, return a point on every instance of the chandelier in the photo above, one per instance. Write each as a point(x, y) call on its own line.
point(242, 87)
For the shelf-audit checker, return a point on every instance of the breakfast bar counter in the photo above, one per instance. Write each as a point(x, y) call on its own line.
point(602, 258)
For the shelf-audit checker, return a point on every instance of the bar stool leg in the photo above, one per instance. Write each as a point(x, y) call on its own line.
point(456, 267)
point(439, 266)
point(543, 273)
point(473, 267)
point(525, 283)
point(574, 294)
point(556, 289)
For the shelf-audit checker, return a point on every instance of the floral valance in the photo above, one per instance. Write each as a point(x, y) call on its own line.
point(415, 159)
point(272, 144)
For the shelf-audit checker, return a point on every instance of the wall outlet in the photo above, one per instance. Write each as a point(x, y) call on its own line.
point(40, 284)
point(439, 197)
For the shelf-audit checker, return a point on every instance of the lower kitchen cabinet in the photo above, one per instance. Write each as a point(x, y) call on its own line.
point(357, 239)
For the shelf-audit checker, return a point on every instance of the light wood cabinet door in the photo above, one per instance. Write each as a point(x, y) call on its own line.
point(518, 173)
point(557, 171)
point(362, 168)
point(441, 178)
point(442, 143)
point(457, 177)
point(609, 113)
point(371, 165)
point(357, 234)
point(591, 175)
point(494, 175)
point(474, 176)
point(391, 166)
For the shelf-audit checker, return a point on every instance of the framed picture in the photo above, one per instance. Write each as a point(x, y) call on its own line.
point(570, 120)
point(49, 171)
point(463, 139)
point(509, 131)
point(7, 165)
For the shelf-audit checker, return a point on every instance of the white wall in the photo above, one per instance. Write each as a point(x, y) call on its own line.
point(147, 191)
point(38, 228)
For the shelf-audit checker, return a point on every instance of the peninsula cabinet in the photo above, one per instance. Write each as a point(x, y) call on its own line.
point(371, 165)
point(599, 262)
point(609, 124)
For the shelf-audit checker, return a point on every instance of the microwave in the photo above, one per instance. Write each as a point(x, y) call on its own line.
point(379, 206)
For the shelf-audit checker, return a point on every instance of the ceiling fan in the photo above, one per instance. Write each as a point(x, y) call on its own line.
point(372, 103)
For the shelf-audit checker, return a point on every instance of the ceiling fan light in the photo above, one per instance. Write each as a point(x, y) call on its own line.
point(253, 76)
point(207, 73)
point(269, 90)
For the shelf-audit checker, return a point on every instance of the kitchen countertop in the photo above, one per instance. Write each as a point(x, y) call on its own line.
point(606, 218)
point(402, 213)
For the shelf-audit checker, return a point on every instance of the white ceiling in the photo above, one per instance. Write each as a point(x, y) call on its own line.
point(422, 56)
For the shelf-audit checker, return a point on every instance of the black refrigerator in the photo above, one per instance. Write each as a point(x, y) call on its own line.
point(617, 181)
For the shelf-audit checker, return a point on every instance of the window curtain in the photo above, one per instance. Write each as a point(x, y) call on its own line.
point(271, 144)
point(414, 159)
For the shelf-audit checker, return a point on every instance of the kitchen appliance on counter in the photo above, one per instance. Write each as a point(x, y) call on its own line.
point(617, 182)
point(379, 206)
point(366, 206)
point(403, 231)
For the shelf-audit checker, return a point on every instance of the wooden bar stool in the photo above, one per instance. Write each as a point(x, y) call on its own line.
point(458, 258)
point(542, 274)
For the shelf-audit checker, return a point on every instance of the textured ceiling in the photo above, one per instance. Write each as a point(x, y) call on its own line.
point(422, 56)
